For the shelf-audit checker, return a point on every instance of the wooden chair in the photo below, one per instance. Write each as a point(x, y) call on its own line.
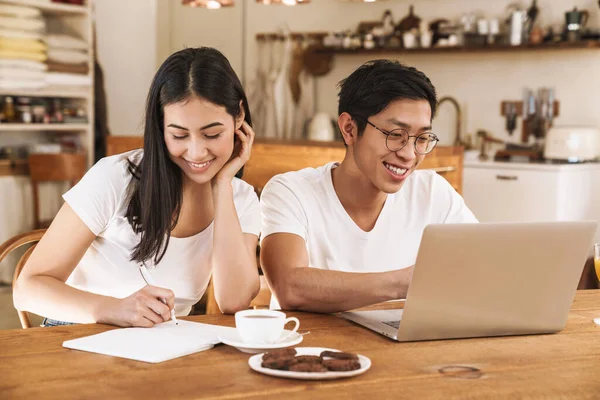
point(12, 244)
point(121, 144)
point(271, 157)
point(53, 168)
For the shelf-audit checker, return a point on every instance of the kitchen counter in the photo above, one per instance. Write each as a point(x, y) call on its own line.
point(540, 166)
point(499, 191)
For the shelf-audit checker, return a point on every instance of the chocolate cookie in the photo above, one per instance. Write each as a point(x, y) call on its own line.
point(280, 353)
point(309, 359)
point(341, 365)
point(307, 367)
point(338, 355)
point(279, 363)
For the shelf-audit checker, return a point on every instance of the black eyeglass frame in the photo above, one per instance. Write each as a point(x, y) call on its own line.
point(388, 133)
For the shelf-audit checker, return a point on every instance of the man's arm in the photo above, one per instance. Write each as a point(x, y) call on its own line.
point(284, 261)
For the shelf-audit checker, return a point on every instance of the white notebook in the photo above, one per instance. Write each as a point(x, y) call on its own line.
point(153, 345)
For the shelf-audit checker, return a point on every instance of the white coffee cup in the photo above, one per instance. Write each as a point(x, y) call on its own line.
point(263, 326)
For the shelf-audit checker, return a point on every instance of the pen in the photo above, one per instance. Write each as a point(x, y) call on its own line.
point(149, 281)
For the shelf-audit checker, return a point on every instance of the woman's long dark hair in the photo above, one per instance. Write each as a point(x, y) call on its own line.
point(156, 190)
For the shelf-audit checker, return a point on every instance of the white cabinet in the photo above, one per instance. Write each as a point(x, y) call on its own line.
point(505, 192)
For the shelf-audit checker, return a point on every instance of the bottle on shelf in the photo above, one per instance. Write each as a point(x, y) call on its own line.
point(57, 113)
point(9, 112)
point(25, 110)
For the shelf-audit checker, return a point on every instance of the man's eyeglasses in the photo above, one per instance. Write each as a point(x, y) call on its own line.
point(398, 138)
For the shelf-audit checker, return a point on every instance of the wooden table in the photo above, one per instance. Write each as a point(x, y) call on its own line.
point(33, 365)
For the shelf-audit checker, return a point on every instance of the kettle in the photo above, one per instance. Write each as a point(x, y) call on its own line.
point(575, 21)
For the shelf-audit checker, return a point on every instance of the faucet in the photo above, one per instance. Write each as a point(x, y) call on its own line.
point(457, 140)
point(485, 138)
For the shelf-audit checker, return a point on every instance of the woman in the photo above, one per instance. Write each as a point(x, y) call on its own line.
point(176, 208)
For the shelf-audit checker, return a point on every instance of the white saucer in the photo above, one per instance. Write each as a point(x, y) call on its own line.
point(233, 339)
point(256, 361)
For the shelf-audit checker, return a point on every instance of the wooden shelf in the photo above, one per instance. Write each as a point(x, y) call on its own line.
point(76, 20)
point(50, 8)
point(11, 168)
point(83, 92)
point(589, 44)
point(43, 127)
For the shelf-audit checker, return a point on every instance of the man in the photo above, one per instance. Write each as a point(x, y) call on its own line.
point(343, 236)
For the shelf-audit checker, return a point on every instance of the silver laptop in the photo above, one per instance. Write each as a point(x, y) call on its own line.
point(488, 279)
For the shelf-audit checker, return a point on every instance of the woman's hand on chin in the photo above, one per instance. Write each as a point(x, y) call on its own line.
point(241, 154)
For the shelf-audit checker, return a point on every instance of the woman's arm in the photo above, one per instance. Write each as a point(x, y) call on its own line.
point(41, 287)
point(235, 274)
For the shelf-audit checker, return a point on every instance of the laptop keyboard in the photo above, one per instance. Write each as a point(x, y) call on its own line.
point(393, 324)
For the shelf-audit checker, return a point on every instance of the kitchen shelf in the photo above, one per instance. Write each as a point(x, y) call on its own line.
point(588, 44)
point(76, 20)
point(14, 167)
point(48, 7)
point(43, 127)
point(83, 92)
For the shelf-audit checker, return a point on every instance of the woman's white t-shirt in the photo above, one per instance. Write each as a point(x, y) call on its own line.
point(100, 199)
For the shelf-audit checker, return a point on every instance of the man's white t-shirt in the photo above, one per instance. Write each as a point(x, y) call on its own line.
point(100, 199)
point(305, 203)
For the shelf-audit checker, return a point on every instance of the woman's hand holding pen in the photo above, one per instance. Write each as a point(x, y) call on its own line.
point(143, 308)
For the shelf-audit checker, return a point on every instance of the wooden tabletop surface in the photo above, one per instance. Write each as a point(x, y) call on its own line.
point(33, 365)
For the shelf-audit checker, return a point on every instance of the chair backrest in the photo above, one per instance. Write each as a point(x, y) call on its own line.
point(121, 144)
point(12, 244)
point(270, 157)
point(51, 168)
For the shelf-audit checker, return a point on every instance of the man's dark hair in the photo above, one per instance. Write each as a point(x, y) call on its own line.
point(375, 84)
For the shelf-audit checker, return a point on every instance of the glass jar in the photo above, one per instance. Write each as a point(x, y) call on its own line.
point(10, 114)
point(24, 110)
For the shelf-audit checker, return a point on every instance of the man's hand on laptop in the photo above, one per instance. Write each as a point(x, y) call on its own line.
point(402, 278)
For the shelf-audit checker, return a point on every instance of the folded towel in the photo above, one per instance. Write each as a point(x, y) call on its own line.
point(20, 73)
point(67, 56)
point(20, 34)
point(82, 69)
point(19, 11)
point(22, 45)
point(65, 42)
point(23, 55)
point(23, 64)
point(25, 24)
point(58, 78)
point(10, 84)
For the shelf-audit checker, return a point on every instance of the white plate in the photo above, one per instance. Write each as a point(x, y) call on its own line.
point(256, 361)
point(233, 339)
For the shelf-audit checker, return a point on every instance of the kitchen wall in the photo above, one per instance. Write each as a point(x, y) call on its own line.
point(222, 29)
point(479, 81)
point(128, 46)
point(154, 29)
